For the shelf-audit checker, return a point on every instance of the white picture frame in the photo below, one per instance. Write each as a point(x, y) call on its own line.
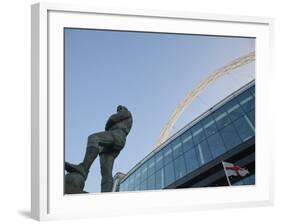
point(48, 201)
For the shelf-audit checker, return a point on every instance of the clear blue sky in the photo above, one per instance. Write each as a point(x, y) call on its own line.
point(147, 72)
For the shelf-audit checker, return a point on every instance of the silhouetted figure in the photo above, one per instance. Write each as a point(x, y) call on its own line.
point(107, 145)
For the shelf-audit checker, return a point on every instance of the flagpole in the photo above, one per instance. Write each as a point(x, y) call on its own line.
point(228, 181)
point(229, 184)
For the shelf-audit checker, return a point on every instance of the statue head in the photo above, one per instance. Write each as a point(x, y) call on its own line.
point(120, 108)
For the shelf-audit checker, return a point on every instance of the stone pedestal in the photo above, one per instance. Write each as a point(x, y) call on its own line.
point(74, 183)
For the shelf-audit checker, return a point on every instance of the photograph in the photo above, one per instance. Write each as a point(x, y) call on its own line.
point(150, 111)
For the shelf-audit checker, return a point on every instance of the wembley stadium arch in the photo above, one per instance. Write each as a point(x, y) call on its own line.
point(193, 156)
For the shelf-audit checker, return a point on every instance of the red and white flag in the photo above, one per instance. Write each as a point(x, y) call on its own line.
point(234, 170)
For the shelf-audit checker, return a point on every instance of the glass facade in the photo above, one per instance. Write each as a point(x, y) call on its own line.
point(225, 127)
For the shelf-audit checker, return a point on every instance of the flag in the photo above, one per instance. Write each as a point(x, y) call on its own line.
point(234, 170)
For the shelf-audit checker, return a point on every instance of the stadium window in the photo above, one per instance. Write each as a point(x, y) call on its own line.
point(169, 174)
point(187, 141)
point(198, 133)
point(191, 160)
point(180, 169)
point(246, 101)
point(177, 147)
point(245, 128)
point(234, 110)
point(230, 137)
point(216, 145)
point(209, 126)
point(221, 118)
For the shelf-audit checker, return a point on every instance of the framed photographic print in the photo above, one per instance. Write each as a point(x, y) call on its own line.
point(148, 111)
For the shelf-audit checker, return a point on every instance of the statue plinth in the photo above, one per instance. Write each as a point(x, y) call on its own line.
point(74, 181)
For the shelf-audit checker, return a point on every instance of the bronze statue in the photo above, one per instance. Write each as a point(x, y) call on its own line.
point(107, 145)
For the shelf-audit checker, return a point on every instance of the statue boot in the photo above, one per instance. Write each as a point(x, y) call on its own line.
point(84, 167)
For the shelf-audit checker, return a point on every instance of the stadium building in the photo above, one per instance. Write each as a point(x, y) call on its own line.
point(193, 156)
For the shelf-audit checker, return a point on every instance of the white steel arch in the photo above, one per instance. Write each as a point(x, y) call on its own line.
point(238, 62)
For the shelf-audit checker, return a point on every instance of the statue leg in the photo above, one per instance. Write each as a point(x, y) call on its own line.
point(106, 164)
point(95, 144)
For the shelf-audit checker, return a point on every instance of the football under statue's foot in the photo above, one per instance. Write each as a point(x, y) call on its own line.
point(69, 167)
